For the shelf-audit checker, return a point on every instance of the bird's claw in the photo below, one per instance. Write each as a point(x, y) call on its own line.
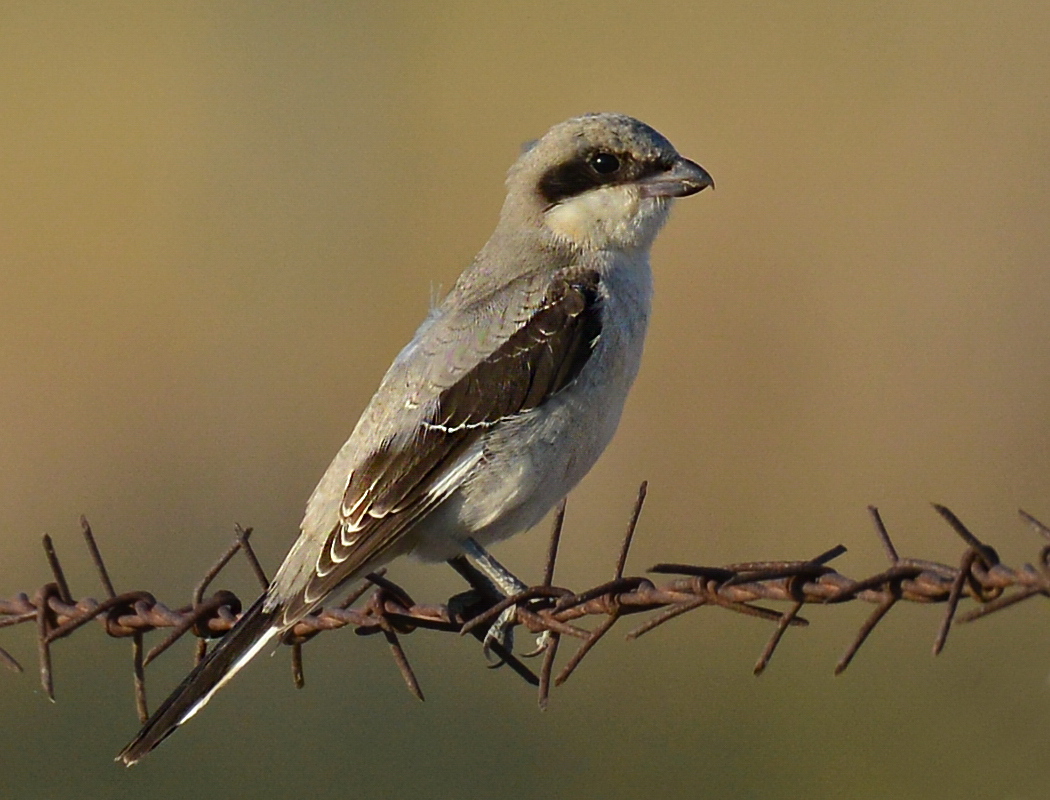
point(543, 641)
point(501, 634)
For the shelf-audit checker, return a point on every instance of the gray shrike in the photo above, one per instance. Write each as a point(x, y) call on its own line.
point(503, 400)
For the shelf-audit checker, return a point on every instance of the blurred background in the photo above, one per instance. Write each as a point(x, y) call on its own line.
point(220, 221)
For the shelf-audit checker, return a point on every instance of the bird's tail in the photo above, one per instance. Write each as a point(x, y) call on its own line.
point(251, 633)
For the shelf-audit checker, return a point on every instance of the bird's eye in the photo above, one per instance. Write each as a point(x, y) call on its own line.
point(604, 163)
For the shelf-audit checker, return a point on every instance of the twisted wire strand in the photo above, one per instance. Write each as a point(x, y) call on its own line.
point(545, 609)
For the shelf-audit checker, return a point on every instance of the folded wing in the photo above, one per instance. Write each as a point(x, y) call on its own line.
point(409, 474)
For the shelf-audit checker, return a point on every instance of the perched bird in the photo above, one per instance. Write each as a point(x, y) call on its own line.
point(503, 400)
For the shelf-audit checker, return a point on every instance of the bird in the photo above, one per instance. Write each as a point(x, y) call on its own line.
point(502, 401)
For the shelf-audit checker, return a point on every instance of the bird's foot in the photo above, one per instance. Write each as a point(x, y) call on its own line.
point(499, 639)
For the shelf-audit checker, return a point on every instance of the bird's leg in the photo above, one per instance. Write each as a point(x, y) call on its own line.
point(508, 584)
point(505, 580)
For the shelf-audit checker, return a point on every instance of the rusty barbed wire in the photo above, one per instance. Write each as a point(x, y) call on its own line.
point(543, 609)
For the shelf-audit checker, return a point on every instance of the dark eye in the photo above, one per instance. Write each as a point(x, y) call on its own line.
point(604, 163)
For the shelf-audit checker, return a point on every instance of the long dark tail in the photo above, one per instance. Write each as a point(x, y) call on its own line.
point(251, 633)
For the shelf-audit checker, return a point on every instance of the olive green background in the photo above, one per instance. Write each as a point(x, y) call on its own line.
point(220, 221)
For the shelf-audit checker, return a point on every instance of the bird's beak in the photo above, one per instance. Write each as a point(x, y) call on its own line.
point(683, 179)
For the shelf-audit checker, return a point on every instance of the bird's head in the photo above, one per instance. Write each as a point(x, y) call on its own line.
point(600, 181)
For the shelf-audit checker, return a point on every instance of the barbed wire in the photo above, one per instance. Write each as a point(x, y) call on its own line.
point(543, 609)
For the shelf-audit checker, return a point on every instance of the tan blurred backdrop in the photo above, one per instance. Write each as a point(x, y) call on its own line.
point(220, 221)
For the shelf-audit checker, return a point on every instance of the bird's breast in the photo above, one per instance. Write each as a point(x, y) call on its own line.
point(531, 462)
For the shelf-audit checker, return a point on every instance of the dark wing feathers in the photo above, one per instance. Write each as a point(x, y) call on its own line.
point(391, 488)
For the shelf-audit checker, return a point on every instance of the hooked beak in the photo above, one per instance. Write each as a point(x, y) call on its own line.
point(683, 179)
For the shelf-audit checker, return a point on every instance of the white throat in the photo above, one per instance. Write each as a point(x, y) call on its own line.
point(609, 217)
